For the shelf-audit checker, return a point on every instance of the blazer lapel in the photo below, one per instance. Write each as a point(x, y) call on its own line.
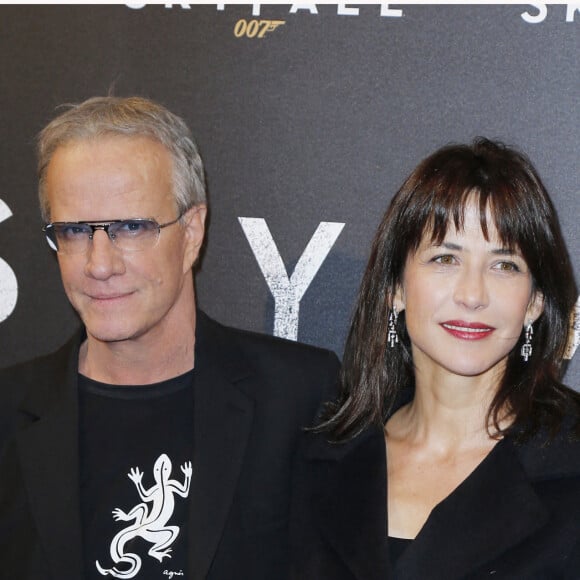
point(222, 423)
point(48, 450)
point(350, 503)
point(494, 509)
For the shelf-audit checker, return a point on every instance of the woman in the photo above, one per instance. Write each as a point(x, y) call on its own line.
point(452, 450)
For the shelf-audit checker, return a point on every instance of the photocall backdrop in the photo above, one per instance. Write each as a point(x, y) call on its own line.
point(308, 117)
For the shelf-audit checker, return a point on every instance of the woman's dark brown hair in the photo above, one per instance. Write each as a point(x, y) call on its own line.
point(435, 194)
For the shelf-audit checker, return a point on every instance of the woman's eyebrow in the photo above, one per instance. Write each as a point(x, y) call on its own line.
point(494, 251)
point(449, 246)
point(503, 252)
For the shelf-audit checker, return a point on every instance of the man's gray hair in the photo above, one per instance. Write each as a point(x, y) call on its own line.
point(131, 117)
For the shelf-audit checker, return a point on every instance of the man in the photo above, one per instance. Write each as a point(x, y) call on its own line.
point(156, 443)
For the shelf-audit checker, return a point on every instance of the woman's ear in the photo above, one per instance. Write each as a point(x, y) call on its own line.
point(399, 299)
point(535, 307)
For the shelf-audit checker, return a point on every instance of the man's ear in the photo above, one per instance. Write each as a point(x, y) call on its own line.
point(194, 224)
point(535, 307)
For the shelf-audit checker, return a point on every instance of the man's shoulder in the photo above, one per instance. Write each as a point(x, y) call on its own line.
point(257, 345)
point(17, 380)
point(43, 363)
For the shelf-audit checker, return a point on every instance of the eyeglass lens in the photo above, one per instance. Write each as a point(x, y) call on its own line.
point(128, 235)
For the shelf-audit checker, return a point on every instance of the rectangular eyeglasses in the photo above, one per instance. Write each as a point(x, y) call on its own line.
point(130, 235)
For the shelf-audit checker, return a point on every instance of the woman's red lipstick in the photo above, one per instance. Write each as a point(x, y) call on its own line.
point(467, 330)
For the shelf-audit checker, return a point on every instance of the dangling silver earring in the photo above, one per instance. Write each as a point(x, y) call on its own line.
point(392, 336)
point(526, 351)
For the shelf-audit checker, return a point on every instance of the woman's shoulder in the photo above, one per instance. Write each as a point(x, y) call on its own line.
point(552, 453)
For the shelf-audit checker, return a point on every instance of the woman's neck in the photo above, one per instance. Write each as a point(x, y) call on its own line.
point(447, 413)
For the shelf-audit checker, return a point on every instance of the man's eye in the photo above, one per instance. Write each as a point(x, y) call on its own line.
point(133, 228)
point(72, 231)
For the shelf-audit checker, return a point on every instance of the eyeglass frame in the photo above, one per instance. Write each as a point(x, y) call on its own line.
point(104, 225)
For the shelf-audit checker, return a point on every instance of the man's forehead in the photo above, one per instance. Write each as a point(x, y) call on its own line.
point(122, 172)
point(108, 139)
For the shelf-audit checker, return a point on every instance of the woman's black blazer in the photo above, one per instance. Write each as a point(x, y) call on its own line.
point(517, 516)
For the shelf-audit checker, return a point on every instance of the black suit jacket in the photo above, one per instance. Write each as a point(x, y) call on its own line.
point(516, 517)
point(253, 394)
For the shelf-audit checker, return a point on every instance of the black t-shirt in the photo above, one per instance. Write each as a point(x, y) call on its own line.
point(136, 456)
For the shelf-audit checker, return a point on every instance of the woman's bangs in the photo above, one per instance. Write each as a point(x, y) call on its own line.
point(447, 207)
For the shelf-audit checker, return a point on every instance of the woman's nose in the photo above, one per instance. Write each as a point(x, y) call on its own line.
point(471, 289)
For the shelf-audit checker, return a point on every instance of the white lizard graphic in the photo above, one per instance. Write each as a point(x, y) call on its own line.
point(149, 524)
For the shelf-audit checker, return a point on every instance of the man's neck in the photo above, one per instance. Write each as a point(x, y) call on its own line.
point(141, 361)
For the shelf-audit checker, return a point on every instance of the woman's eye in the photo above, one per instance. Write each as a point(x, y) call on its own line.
point(507, 267)
point(446, 259)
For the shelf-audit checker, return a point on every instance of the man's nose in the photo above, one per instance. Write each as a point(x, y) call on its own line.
point(104, 259)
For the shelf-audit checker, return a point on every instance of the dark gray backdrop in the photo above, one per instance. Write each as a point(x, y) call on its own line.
point(319, 120)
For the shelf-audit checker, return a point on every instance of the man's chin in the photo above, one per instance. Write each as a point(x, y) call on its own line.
point(109, 335)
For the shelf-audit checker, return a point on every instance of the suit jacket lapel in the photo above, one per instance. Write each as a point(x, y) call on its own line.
point(222, 423)
point(48, 450)
point(350, 503)
point(491, 511)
